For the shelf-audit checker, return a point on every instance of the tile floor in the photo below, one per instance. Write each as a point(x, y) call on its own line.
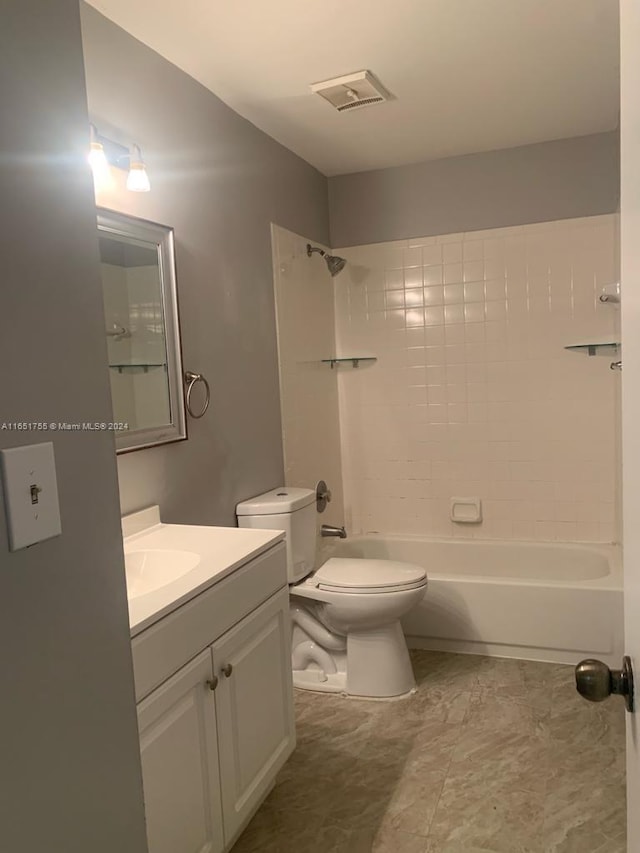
point(489, 755)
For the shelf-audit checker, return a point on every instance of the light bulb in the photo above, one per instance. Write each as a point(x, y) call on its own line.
point(98, 162)
point(137, 179)
point(99, 166)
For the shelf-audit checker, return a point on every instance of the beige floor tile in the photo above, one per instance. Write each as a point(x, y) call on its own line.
point(508, 758)
point(487, 812)
point(496, 712)
point(413, 802)
point(386, 841)
point(586, 724)
point(440, 847)
point(439, 704)
point(488, 756)
point(332, 839)
point(280, 832)
point(436, 669)
point(585, 808)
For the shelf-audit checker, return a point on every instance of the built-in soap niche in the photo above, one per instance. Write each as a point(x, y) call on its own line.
point(466, 510)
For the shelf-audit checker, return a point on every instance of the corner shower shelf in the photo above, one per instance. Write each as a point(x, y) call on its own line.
point(353, 359)
point(604, 347)
point(144, 367)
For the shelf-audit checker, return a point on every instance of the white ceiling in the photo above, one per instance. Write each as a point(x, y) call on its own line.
point(467, 75)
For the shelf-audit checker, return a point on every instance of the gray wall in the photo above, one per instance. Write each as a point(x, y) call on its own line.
point(70, 767)
point(515, 186)
point(218, 181)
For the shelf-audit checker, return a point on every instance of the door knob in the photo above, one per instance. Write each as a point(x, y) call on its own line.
point(212, 683)
point(227, 669)
point(596, 682)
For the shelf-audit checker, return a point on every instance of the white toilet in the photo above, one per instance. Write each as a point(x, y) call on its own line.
point(345, 615)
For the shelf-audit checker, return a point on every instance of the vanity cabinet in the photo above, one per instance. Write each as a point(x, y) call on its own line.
point(214, 734)
point(254, 708)
point(180, 768)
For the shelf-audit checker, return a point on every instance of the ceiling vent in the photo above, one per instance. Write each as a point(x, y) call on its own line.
point(352, 91)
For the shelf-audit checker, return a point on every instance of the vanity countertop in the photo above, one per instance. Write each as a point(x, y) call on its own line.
point(220, 550)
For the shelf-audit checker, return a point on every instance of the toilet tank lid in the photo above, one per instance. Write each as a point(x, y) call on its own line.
point(277, 501)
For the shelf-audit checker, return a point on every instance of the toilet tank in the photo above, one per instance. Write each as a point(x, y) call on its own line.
point(292, 510)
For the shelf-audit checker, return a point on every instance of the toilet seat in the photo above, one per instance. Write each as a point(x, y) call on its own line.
point(361, 576)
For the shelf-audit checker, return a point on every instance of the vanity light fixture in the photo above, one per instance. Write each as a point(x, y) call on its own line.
point(105, 154)
point(98, 160)
point(137, 179)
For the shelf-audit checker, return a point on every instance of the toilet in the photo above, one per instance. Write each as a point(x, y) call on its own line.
point(345, 615)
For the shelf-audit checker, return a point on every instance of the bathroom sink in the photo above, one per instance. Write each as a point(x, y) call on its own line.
point(149, 570)
point(167, 565)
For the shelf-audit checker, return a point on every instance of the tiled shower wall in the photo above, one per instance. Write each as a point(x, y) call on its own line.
point(308, 388)
point(473, 393)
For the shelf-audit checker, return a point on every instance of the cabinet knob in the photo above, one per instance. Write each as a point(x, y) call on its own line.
point(227, 669)
point(212, 683)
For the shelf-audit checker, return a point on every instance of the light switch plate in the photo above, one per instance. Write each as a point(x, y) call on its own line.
point(30, 494)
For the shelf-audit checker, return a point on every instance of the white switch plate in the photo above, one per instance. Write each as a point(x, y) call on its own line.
point(30, 494)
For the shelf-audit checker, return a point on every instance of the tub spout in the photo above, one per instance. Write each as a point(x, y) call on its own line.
point(330, 530)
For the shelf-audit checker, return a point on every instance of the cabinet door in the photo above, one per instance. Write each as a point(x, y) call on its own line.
point(254, 701)
point(180, 771)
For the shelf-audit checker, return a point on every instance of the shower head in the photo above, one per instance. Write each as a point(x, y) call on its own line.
point(334, 263)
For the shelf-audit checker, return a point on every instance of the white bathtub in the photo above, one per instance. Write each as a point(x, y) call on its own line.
point(549, 602)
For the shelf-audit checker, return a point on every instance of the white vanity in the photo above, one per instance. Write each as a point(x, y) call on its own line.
point(209, 615)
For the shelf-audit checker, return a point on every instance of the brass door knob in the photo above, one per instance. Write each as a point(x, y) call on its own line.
point(596, 682)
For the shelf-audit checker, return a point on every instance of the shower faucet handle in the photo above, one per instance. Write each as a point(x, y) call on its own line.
point(323, 495)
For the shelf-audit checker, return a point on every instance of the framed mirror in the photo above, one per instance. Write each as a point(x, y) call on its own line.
point(143, 334)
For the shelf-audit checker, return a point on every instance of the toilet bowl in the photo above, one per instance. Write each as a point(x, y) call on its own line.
point(360, 602)
point(345, 615)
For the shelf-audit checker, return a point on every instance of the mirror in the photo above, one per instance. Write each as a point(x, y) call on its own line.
point(143, 339)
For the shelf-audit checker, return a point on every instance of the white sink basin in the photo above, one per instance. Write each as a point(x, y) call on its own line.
point(170, 564)
point(149, 570)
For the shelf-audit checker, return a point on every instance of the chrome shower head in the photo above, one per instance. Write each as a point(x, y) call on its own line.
point(334, 263)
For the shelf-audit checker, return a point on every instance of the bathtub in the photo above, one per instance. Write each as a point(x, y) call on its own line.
point(547, 602)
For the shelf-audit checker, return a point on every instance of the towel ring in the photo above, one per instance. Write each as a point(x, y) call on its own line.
point(192, 379)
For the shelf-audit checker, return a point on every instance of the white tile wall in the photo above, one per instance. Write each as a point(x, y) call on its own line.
point(308, 388)
point(473, 393)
